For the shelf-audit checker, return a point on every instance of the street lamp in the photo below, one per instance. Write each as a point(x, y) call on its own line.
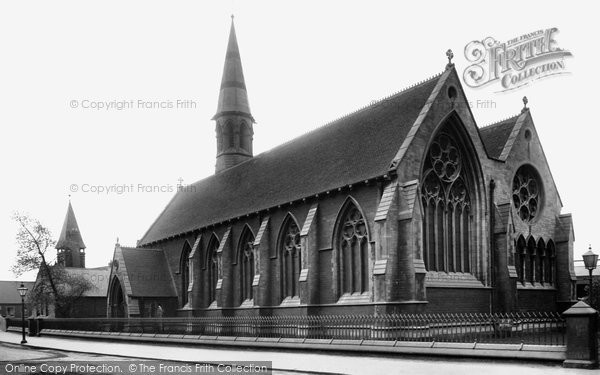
point(22, 292)
point(590, 260)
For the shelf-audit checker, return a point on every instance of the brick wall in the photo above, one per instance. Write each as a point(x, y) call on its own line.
point(447, 300)
point(536, 300)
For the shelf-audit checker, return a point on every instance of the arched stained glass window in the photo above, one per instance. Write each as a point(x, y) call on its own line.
point(353, 252)
point(447, 208)
point(246, 264)
point(212, 266)
point(185, 273)
point(290, 258)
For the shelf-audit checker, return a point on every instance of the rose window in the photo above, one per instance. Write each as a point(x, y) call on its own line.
point(526, 193)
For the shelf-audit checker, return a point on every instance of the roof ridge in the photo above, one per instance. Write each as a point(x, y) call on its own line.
point(498, 122)
point(373, 103)
point(140, 248)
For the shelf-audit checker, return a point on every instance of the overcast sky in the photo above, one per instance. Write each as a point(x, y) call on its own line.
point(305, 63)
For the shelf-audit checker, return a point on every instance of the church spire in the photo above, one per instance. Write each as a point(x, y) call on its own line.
point(233, 97)
point(234, 121)
point(70, 246)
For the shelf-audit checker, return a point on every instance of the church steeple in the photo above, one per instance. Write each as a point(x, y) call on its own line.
point(70, 246)
point(234, 126)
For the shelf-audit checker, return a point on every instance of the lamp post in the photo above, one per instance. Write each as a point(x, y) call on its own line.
point(22, 292)
point(590, 260)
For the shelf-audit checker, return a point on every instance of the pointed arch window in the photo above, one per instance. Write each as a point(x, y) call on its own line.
point(246, 137)
point(212, 267)
point(353, 252)
point(447, 208)
point(539, 262)
point(290, 258)
point(246, 264)
point(535, 263)
point(229, 136)
point(520, 258)
point(184, 270)
point(549, 263)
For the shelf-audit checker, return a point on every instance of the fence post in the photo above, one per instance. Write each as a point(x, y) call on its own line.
point(33, 328)
point(582, 344)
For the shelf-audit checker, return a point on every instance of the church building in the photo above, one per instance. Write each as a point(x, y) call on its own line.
point(70, 254)
point(405, 205)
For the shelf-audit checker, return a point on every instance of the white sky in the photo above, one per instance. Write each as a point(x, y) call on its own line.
point(305, 63)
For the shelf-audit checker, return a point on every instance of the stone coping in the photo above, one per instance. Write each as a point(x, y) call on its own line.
point(486, 350)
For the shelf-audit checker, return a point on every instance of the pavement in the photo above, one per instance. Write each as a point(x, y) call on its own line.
point(288, 361)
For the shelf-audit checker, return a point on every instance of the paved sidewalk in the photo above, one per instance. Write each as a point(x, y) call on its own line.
point(300, 361)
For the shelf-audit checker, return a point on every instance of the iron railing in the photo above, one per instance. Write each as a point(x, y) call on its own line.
point(528, 328)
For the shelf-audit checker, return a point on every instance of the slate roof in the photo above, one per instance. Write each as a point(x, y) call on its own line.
point(351, 149)
point(9, 294)
point(233, 97)
point(494, 136)
point(148, 273)
point(582, 272)
point(70, 237)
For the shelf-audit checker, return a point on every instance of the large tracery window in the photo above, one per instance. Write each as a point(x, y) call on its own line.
point(447, 208)
point(290, 258)
point(353, 252)
point(246, 264)
point(212, 266)
point(527, 193)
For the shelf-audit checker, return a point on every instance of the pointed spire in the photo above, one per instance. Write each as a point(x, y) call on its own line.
point(233, 97)
point(70, 237)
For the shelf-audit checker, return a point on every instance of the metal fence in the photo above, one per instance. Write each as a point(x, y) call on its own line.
point(528, 328)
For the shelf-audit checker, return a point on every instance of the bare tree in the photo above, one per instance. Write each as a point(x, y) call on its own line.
point(54, 285)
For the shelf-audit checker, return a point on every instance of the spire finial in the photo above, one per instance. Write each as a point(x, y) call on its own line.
point(232, 17)
point(525, 101)
point(117, 241)
point(450, 56)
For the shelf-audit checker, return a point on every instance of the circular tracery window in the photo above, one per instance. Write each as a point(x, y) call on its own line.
point(445, 158)
point(527, 197)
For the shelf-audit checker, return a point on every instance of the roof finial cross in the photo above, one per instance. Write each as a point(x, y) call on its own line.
point(525, 101)
point(450, 56)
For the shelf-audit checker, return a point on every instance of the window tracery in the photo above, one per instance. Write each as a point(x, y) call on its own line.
point(290, 259)
point(526, 193)
point(354, 259)
point(447, 206)
point(213, 269)
point(246, 264)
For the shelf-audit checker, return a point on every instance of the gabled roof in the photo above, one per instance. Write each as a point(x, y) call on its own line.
point(70, 237)
point(8, 291)
point(148, 272)
point(496, 135)
point(351, 149)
